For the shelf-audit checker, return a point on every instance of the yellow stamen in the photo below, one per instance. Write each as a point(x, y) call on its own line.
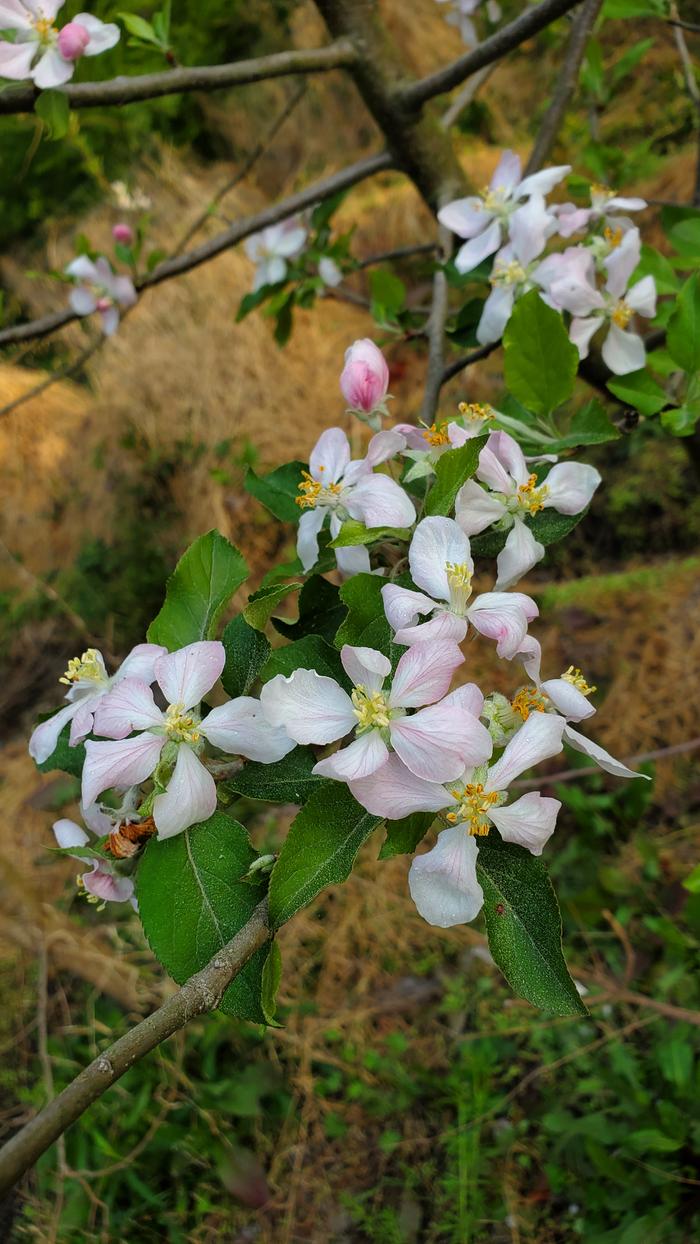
point(475, 410)
point(44, 27)
point(621, 313)
point(312, 492)
point(508, 274)
point(575, 677)
point(474, 805)
point(530, 497)
point(601, 191)
point(459, 581)
point(86, 667)
point(527, 701)
point(613, 237)
point(370, 708)
point(181, 726)
point(436, 434)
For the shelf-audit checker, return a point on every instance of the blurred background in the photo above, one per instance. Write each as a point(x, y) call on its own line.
point(407, 1097)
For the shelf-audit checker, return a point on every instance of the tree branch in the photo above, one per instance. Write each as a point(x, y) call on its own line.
point(201, 994)
point(567, 77)
point(453, 369)
point(508, 37)
point(175, 266)
point(436, 332)
point(129, 90)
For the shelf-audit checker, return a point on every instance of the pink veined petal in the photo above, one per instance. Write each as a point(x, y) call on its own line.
point(642, 296)
point(581, 332)
point(378, 501)
point(393, 791)
point(492, 472)
point(190, 796)
point(497, 616)
point(423, 674)
point(403, 606)
point(108, 886)
point(383, 446)
point(365, 667)
point(311, 707)
point(128, 706)
point(519, 554)
point(480, 247)
point(140, 663)
point(103, 35)
point(52, 70)
point(530, 821)
point(531, 656)
point(412, 435)
point(510, 455)
point(570, 486)
point(440, 742)
point(496, 313)
point(526, 604)
point(475, 509)
point(469, 697)
point(44, 737)
point(436, 543)
point(358, 760)
point(186, 675)
point(126, 762)
point(96, 819)
point(82, 723)
point(330, 456)
point(441, 627)
point(622, 261)
point(443, 882)
point(597, 753)
point(240, 728)
point(353, 559)
point(310, 524)
point(66, 832)
point(537, 739)
point(623, 351)
point(465, 217)
point(16, 60)
point(567, 699)
point(507, 174)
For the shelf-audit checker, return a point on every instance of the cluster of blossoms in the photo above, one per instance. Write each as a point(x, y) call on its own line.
point(42, 52)
point(590, 281)
point(272, 249)
point(408, 740)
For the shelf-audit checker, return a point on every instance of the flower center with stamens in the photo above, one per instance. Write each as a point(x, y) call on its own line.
point(180, 726)
point(621, 313)
point(459, 581)
point(494, 200)
point(508, 273)
point(476, 411)
point(613, 237)
point(85, 668)
point(313, 492)
point(528, 700)
point(436, 434)
point(531, 498)
point(575, 677)
point(473, 807)
point(45, 29)
point(370, 708)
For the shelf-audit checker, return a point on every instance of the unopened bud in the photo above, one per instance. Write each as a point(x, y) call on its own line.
point(365, 377)
point(123, 233)
point(73, 40)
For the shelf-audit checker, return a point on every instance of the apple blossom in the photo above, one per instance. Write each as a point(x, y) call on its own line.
point(443, 883)
point(605, 205)
point(99, 289)
point(88, 681)
point(426, 445)
point(337, 487)
point(329, 271)
point(511, 494)
point(102, 884)
point(121, 232)
point(364, 381)
point(485, 219)
point(439, 739)
point(440, 560)
point(270, 249)
point(42, 52)
point(170, 741)
point(515, 270)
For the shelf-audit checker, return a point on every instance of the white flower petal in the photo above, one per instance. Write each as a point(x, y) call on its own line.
point(443, 882)
point(495, 314)
point(186, 675)
point(353, 559)
point(567, 699)
point(440, 742)
point(52, 70)
point(403, 607)
point(423, 675)
point(309, 706)
point(103, 35)
point(365, 667)
point(475, 509)
point(465, 217)
point(528, 229)
point(443, 626)
point(519, 554)
point(82, 300)
point(622, 261)
point(128, 706)
point(642, 296)
point(45, 736)
point(141, 662)
point(602, 758)
point(530, 821)
point(190, 796)
point(310, 524)
point(570, 486)
point(107, 885)
point(126, 762)
point(623, 351)
point(240, 728)
point(479, 248)
point(582, 330)
point(498, 616)
point(537, 739)
point(358, 760)
point(393, 791)
point(66, 832)
point(507, 174)
point(437, 542)
point(544, 181)
point(468, 697)
point(379, 501)
point(330, 456)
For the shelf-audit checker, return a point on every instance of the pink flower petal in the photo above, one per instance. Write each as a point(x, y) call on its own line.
point(190, 796)
point(499, 617)
point(365, 667)
point(309, 706)
point(530, 821)
point(186, 675)
point(393, 791)
point(362, 757)
point(240, 728)
point(440, 742)
point(424, 673)
point(537, 739)
point(443, 626)
point(443, 882)
point(126, 762)
point(379, 501)
point(128, 706)
point(140, 663)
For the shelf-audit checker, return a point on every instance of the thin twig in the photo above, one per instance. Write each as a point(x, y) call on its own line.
point(693, 91)
point(567, 77)
point(200, 995)
point(223, 241)
point(63, 373)
point(569, 775)
point(492, 49)
point(436, 332)
point(453, 369)
point(47, 1076)
point(691, 26)
point(399, 252)
point(466, 96)
point(129, 90)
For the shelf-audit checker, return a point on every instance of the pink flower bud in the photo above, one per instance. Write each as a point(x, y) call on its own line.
point(123, 233)
point(365, 377)
point(103, 304)
point(73, 40)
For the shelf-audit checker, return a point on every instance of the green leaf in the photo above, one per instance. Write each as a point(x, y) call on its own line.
point(246, 651)
point(80, 853)
point(261, 605)
point(311, 652)
point(683, 228)
point(192, 902)
point(524, 926)
point(139, 27)
point(69, 759)
point(278, 490)
point(53, 109)
point(651, 1140)
point(452, 470)
point(204, 579)
point(548, 527)
point(640, 390)
point(388, 294)
point(683, 333)
point(653, 263)
point(402, 837)
point(353, 533)
point(692, 881)
point(680, 421)
point(363, 596)
point(290, 780)
point(321, 611)
point(634, 8)
point(540, 363)
point(319, 850)
point(589, 426)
